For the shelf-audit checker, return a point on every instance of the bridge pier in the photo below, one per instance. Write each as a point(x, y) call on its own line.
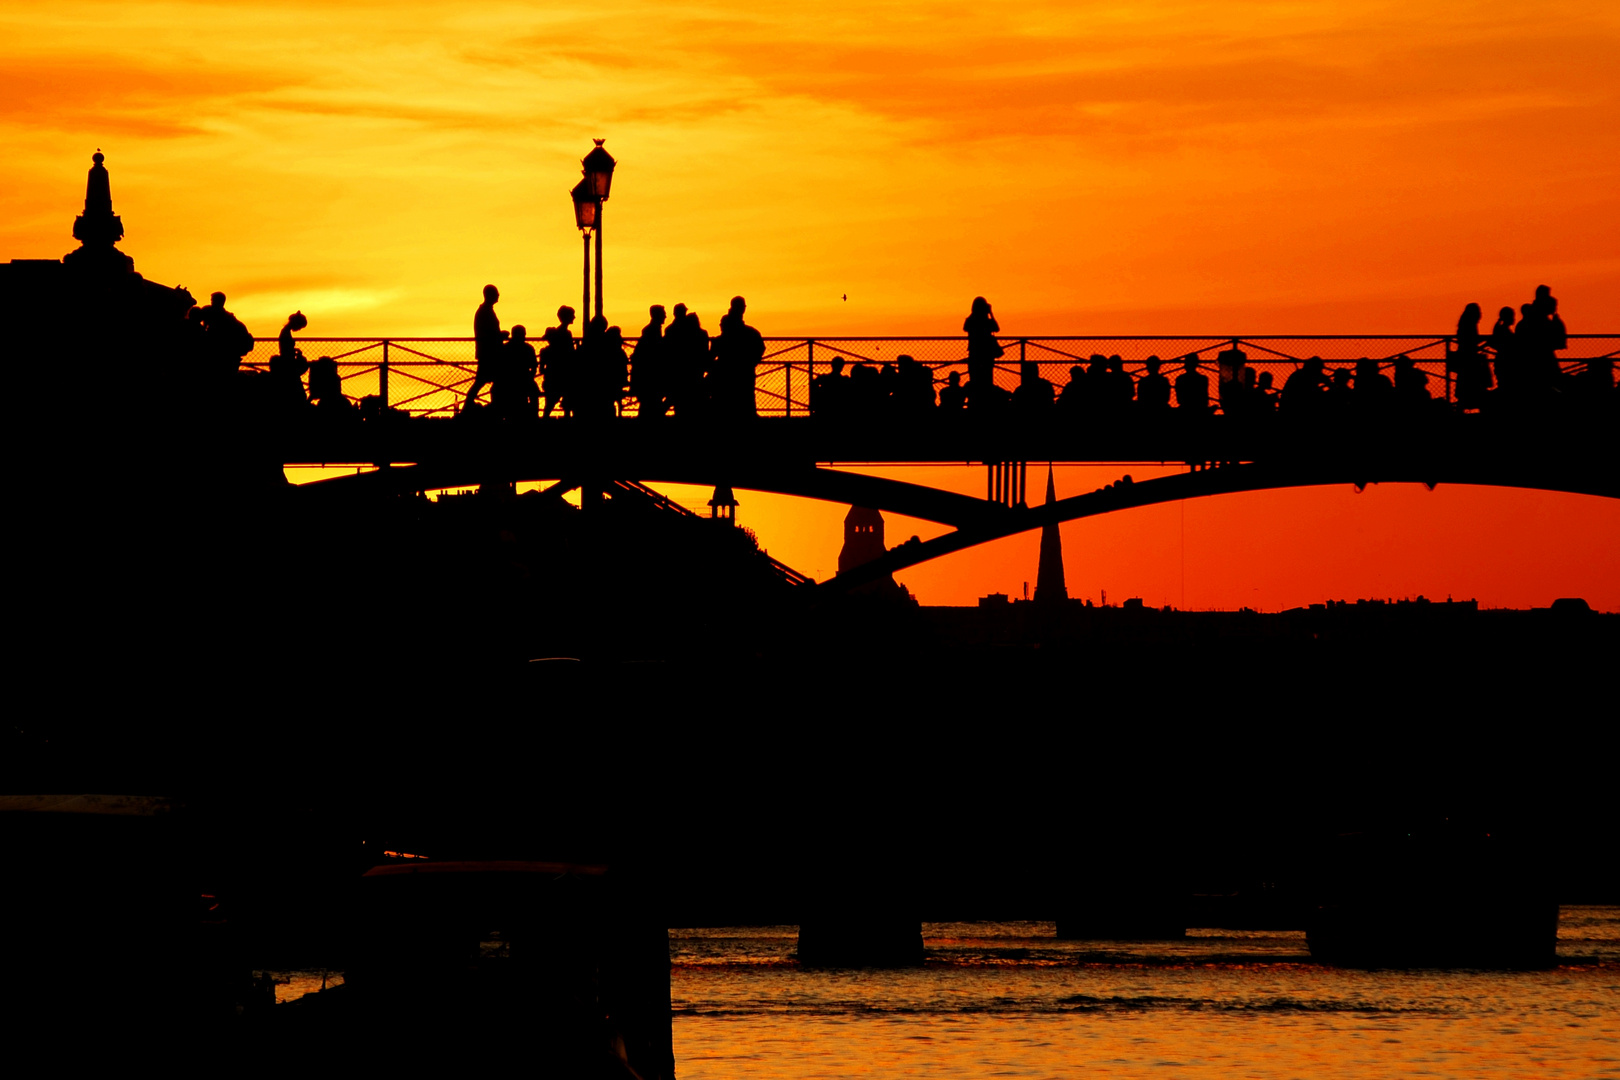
point(854, 936)
point(1125, 888)
point(860, 911)
point(1006, 482)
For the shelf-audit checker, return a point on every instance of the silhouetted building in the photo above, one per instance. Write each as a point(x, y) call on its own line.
point(863, 542)
point(723, 506)
point(1050, 587)
point(863, 538)
point(114, 313)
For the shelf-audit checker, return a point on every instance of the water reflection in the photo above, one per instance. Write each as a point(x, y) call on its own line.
point(1009, 999)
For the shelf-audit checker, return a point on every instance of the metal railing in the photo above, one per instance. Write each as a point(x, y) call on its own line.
point(431, 376)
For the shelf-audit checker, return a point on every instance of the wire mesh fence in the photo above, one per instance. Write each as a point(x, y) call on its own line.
point(431, 376)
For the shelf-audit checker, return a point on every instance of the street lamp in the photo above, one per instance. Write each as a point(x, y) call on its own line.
point(588, 216)
point(597, 168)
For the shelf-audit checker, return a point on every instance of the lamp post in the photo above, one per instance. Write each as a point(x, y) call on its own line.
point(588, 216)
point(597, 167)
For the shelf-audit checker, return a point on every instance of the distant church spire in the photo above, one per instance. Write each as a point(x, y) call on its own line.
point(98, 228)
point(1049, 585)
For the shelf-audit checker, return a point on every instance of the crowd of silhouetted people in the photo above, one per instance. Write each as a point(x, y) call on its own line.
point(676, 366)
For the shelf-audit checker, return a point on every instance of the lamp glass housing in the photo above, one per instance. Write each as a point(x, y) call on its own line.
point(598, 169)
point(586, 206)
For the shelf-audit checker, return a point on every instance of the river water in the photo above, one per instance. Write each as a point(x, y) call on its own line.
point(1010, 1000)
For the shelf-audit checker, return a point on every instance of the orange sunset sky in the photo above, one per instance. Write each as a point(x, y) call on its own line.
point(1148, 168)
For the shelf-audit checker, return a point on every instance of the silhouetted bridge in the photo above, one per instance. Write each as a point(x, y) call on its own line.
point(1568, 446)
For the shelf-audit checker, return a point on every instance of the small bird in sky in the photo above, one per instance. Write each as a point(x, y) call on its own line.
point(846, 296)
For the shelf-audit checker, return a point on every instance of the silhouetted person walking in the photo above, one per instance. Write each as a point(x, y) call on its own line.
point(557, 360)
point(984, 350)
point(487, 338)
point(649, 376)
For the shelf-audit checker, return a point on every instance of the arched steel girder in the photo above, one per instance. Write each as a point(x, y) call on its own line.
point(831, 485)
point(977, 521)
point(1226, 480)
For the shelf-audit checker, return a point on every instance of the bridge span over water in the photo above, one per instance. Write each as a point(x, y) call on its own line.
point(420, 444)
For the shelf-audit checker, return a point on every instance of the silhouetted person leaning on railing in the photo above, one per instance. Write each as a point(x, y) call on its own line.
point(557, 360)
point(288, 366)
point(487, 339)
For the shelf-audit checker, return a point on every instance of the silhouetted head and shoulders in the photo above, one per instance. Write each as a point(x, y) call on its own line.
point(1468, 324)
point(1192, 387)
point(559, 339)
point(519, 344)
point(1372, 386)
point(486, 324)
point(653, 332)
point(980, 320)
point(1034, 394)
point(1153, 390)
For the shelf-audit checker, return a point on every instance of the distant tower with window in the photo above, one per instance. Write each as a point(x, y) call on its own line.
point(863, 542)
point(863, 538)
point(1050, 587)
